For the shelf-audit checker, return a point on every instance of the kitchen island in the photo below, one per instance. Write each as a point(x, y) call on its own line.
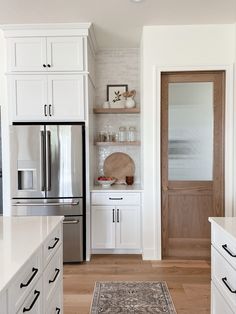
point(223, 265)
point(31, 264)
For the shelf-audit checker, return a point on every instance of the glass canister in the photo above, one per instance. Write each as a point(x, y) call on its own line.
point(122, 134)
point(132, 134)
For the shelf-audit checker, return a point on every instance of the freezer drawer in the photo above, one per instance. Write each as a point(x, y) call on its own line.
point(47, 207)
point(73, 239)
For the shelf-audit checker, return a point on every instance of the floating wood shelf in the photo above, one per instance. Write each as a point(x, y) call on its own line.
point(116, 110)
point(134, 143)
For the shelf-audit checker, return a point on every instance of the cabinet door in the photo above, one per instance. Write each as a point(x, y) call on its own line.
point(66, 97)
point(26, 54)
point(28, 97)
point(128, 227)
point(103, 227)
point(3, 302)
point(65, 53)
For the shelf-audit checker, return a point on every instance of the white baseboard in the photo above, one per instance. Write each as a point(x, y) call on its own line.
point(150, 255)
point(115, 251)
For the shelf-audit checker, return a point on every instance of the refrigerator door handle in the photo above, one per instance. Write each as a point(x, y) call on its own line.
point(69, 222)
point(49, 161)
point(43, 172)
point(46, 204)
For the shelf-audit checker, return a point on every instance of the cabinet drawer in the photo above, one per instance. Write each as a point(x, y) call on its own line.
point(51, 244)
point(115, 198)
point(25, 280)
point(52, 275)
point(218, 302)
point(3, 302)
point(224, 276)
point(55, 305)
point(34, 302)
point(224, 244)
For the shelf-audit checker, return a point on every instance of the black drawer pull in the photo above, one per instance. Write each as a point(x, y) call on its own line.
point(57, 271)
point(227, 285)
point(44, 65)
point(45, 110)
point(58, 310)
point(50, 110)
point(118, 215)
point(34, 270)
point(115, 198)
point(49, 65)
point(55, 243)
point(228, 251)
point(37, 293)
point(113, 215)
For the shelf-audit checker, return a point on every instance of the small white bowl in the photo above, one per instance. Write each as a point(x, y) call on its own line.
point(106, 183)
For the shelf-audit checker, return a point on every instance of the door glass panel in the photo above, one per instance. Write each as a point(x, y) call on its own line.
point(190, 131)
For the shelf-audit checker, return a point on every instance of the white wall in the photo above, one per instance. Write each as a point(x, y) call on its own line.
point(175, 48)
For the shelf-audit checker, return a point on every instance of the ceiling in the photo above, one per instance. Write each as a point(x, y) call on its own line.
point(118, 23)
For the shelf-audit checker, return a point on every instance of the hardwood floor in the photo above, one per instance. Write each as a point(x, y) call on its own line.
point(188, 281)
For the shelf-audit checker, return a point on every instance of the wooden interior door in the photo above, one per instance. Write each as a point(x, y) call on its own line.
point(192, 149)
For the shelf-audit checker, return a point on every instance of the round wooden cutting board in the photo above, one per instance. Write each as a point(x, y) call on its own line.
point(119, 165)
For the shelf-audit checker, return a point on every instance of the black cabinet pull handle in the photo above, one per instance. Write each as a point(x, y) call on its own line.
point(58, 310)
point(49, 65)
point(44, 65)
point(227, 285)
point(45, 110)
point(228, 251)
point(113, 215)
point(37, 293)
point(50, 110)
point(34, 270)
point(57, 271)
point(116, 198)
point(55, 243)
point(118, 215)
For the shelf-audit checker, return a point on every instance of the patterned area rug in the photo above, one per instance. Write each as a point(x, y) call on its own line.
point(132, 297)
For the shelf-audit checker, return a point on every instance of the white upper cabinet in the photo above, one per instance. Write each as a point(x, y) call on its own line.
point(66, 97)
point(28, 97)
point(46, 97)
point(46, 54)
point(65, 54)
point(26, 54)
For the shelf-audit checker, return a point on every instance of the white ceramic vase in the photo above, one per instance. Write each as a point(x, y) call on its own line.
point(130, 102)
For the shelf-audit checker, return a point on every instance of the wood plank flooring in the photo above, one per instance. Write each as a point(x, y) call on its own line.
point(188, 281)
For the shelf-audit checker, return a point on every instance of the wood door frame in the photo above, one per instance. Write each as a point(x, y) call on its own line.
point(213, 188)
point(230, 116)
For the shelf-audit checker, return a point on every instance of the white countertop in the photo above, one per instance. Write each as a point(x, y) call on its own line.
point(118, 188)
point(228, 224)
point(20, 237)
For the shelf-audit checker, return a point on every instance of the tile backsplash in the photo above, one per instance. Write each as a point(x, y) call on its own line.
point(117, 66)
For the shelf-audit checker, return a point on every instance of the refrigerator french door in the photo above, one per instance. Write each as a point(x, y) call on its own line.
point(47, 177)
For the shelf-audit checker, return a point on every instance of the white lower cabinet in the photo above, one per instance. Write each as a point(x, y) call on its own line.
point(115, 226)
point(33, 304)
point(218, 303)
point(103, 227)
point(55, 305)
point(37, 287)
point(223, 270)
point(52, 276)
point(3, 302)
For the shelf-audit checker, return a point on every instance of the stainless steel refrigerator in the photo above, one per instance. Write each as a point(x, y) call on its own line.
point(48, 178)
